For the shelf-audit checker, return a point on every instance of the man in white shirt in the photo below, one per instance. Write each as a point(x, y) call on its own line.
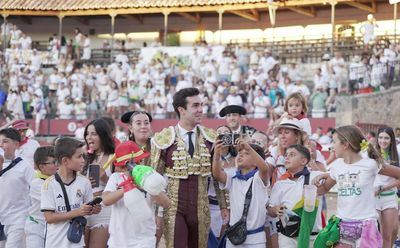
point(261, 103)
point(25, 41)
point(14, 185)
point(233, 98)
point(300, 87)
point(27, 146)
point(62, 93)
point(65, 109)
point(182, 83)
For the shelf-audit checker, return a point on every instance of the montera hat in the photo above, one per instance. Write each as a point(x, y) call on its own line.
point(230, 109)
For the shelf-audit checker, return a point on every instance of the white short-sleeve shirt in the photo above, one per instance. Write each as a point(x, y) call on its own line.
point(289, 192)
point(14, 196)
point(124, 231)
point(79, 192)
point(257, 212)
point(356, 194)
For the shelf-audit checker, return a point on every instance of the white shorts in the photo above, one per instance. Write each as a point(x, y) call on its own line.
point(34, 233)
point(101, 220)
point(271, 223)
point(216, 219)
point(386, 202)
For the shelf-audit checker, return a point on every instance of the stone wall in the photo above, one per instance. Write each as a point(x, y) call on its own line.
point(373, 108)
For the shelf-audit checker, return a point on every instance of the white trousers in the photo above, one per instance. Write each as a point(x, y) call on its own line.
point(15, 234)
point(34, 233)
point(216, 219)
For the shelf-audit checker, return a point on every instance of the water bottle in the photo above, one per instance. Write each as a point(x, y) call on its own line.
point(134, 199)
point(148, 179)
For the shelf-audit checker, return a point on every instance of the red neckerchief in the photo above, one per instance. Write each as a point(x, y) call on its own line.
point(23, 142)
point(116, 141)
point(300, 116)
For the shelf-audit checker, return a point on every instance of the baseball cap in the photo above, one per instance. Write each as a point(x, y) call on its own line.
point(127, 151)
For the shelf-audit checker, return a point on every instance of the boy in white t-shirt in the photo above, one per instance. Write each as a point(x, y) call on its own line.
point(124, 231)
point(69, 155)
point(14, 188)
point(252, 170)
point(287, 195)
point(35, 224)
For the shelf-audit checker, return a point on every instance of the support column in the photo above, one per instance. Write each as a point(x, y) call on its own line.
point(112, 15)
point(5, 36)
point(2, 82)
point(395, 21)
point(333, 3)
point(165, 13)
point(272, 7)
point(60, 28)
point(220, 12)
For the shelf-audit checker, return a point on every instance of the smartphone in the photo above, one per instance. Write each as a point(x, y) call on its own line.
point(94, 173)
point(96, 200)
point(228, 139)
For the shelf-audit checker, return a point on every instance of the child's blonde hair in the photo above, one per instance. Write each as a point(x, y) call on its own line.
point(297, 96)
point(354, 137)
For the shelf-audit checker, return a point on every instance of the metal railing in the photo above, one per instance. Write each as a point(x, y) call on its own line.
point(309, 50)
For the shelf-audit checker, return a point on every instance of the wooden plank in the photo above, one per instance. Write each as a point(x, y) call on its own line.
point(370, 9)
point(303, 11)
point(193, 18)
point(245, 15)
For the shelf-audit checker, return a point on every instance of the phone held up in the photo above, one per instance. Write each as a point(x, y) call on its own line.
point(94, 173)
point(228, 139)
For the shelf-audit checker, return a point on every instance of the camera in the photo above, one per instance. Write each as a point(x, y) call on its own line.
point(228, 139)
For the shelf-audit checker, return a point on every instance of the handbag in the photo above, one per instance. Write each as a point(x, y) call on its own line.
point(76, 225)
point(292, 228)
point(2, 233)
point(9, 167)
point(237, 233)
point(350, 230)
point(330, 235)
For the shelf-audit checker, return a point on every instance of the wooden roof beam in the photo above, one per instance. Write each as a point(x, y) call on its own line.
point(193, 18)
point(153, 10)
point(246, 15)
point(138, 18)
point(307, 12)
point(255, 13)
point(370, 9)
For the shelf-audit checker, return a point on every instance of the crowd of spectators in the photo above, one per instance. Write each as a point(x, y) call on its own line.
point(76, 88)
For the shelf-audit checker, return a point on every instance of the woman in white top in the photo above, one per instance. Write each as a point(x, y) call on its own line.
point(354, 176)
point(100, 145)
point(112, 99)
point(386, 187)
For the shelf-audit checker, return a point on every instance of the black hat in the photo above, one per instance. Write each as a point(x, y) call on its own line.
point(125, 118)
point(232, 109)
